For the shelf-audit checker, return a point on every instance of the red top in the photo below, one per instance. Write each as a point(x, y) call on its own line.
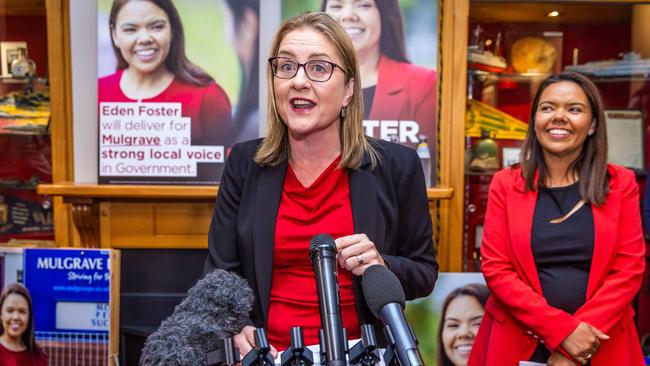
point(207, 106)
point(22, 358)
point(323, 207)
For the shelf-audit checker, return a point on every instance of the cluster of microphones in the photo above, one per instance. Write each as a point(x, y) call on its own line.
point(214, 309)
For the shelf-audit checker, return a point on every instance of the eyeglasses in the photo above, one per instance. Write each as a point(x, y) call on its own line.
point(316, 70)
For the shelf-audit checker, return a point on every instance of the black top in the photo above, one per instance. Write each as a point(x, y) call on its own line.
point(563, 250)
point(368, 96)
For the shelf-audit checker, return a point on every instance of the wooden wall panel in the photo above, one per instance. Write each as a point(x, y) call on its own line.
point(155, 225)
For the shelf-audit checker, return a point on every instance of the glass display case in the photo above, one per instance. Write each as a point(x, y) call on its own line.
point(24, 122)
point(511, 51)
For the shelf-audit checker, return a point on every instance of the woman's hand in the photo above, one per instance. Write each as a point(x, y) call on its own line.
point(558, 359)
point(356, 253)
point(583, 342)
point(245, 341)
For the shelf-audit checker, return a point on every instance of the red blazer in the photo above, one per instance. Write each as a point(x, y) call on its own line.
point(406, 92)
point(517, 313)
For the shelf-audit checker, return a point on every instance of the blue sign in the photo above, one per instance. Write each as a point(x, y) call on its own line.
point(70, 288)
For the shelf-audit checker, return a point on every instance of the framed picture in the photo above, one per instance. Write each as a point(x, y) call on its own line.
point(9, 51)
point(625, 137)
point(510, 155)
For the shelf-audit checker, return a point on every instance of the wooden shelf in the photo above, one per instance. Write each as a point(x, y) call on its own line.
point(90, 190)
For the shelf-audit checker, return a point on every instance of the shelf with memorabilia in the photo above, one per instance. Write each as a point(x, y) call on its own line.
point(25, 113)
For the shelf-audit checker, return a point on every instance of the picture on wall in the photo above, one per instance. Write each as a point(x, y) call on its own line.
point(9, 52)
point(396, 44)
point(177, 88)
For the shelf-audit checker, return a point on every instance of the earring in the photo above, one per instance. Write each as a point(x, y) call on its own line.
point(344, 112)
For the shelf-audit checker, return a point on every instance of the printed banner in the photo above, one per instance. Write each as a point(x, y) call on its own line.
point(70, 288)
point(177, 87)
point(396, 43)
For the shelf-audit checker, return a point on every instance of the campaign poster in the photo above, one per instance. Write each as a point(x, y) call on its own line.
point(446, 321)
point(397, 42)
point(70, 289)
point(177, 87)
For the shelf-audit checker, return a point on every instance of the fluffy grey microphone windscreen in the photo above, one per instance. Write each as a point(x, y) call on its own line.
point(216, 307)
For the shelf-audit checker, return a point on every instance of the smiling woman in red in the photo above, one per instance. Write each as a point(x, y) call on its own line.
point(563, 249)
point(17, 343)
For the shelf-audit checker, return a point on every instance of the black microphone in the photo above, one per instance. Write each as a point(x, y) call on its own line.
point(216, 307)
point(322, 253)
point(385, 298)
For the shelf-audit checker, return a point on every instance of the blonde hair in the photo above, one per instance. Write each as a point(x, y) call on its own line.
point(354, 144)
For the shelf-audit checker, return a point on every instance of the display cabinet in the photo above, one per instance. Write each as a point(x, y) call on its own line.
point(24, 122)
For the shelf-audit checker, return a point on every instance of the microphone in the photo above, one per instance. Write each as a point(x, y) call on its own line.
point(216, 307)
point(385, 298)
point(322, 253)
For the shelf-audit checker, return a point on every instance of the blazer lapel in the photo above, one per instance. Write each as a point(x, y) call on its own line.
point(363, 199)
point(521, 208)
point(605, 227)
point(267, 202)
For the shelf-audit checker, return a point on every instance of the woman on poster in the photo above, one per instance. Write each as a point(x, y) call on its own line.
point(316, 172)
point(17, 342)
point(393, 88)
point(460, 319)
point(149, 44)
point(563, 250)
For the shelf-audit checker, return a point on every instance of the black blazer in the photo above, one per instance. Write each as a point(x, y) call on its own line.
point(389, 204)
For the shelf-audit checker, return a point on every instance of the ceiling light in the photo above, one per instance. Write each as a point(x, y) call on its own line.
point(553, 14)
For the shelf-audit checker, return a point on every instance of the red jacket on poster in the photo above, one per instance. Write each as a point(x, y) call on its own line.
point(517, 312)
point(406, 92)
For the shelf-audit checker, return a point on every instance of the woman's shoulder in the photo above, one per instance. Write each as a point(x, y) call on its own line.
point(245, 150)
point(109, 86)
point(620, 176)
point(409, 71)
point(391, 151)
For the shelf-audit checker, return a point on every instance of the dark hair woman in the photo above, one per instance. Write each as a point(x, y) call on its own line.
point(244, 23)
point(17, 341)
point(462, 312)
point(563, 250)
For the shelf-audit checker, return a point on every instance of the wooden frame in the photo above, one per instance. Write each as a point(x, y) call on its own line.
point(454, 17)
point(58, 48)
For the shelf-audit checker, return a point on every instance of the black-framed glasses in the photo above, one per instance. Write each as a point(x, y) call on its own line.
point(316, 70)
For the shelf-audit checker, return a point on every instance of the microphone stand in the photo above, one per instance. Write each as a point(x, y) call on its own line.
point(261, 354)
point(297, 354)
point(364, 352)
point(323, 349)
point(390, 355)
point(226, 355)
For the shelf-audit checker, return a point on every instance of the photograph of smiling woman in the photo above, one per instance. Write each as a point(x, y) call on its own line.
point(17, 341)
point(148, 40)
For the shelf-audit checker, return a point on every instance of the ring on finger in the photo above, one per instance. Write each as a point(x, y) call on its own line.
point(360, 259)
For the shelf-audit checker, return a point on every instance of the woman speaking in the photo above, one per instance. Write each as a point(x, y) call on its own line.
point(315, 172)
point(563, 250)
